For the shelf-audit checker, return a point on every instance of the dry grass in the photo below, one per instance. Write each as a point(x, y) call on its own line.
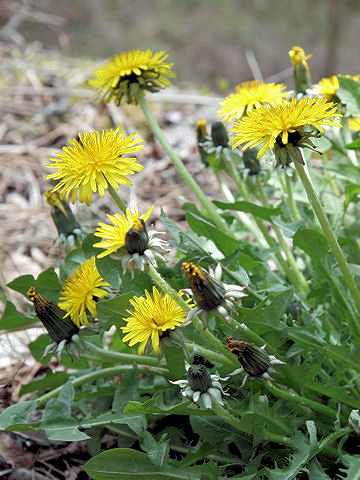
point(44, 101)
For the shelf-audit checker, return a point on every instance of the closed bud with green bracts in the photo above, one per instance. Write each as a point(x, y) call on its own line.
point(250, 161)
point(253, 359)
point(137, 238)
point(199, 378)
point(219, 135)
point(202, 136)
point(62, 215)
point(51, 316)
point(208, 292)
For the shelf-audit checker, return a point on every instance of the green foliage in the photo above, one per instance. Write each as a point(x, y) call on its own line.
point(295, 251)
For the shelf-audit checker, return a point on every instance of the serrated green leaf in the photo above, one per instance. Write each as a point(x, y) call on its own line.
point(353, 145)
point(125, 463)
point(175, 359)
point(312, 242)
point(47, 283)
point(17, 414)
point(127, 390)
point(297, 462)
point(265, 316)
point(289, 228)
point(349, 94)
point(12, 318)
point(153, 405)
point(351, 193)
point(352, 470)
point(258, 211)
point(203, 227)
point(48, 382)
point(110, 312)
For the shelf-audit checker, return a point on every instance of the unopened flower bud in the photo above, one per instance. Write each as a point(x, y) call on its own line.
point(209, 293)
point(136, 240)
point(51, 316)
point(301, 69)
point(254, 360)
point(62, 215)
point(219, 134)
point(199, 378)
point(250, 161)
point(202, 136)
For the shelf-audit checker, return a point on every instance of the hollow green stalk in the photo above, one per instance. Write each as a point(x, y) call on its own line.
point(300, 279)
point(122, 357)
point(90, 377)
point(183, 171)
point(294, 398)
point(287, 187)
point(117, 199)
point(241, 216)
point(269, 240)
point(334, 245)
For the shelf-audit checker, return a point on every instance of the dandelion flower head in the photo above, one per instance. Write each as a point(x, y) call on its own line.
point(127, 73)
point(94, 162)
point(284, 123)
point(251, 95)
point(115, 235)
point(151, 316)
point(80, 291)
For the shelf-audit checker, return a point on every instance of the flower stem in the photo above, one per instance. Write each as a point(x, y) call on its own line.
point(117, 199)
point(185, 174)
point(239, 215)
point(300, 280)
point(290, 198)
point(123, 357)
point(334, 245)
point(90, 377)
point(236, 423)
point(292, 397)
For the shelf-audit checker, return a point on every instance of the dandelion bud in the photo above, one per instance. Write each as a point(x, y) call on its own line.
point(219, 134)
point(254, 360)
point(301, 69)
point(199, 378)
point(58, 327)
point(136, 239)
point(208, 292)
point(62, 215)
point(202, 136)
point(251, 162)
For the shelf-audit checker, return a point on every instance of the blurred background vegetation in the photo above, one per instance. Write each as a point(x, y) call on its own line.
point(215, 44)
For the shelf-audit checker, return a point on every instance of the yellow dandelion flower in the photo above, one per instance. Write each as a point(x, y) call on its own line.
point(94, 162)
point(80, 290)
point(250, 95)
point(298, 57)
point(283, 125)
point(151, 317)
point(115, 236)
point(328, 87)
point(127, 73)
point(354, 124)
